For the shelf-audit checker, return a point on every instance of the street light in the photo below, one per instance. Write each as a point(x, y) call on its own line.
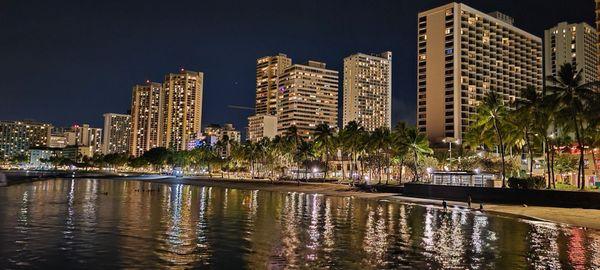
point(450, 141)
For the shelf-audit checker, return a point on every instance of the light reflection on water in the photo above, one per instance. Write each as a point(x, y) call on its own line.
point(108, 224)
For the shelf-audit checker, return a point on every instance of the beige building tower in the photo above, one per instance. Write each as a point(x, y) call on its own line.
point(268, 70)
point(368, 90)
point(308, 96)
point(145, 118)
point(117, 129)
point(261, 126)
point(597, 2)
point(181, 109)
point(571, 43)
point(463, 54)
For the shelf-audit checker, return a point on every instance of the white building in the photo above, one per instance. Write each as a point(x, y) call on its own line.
point(117, 129)
point(368, 90)
point(261, 126)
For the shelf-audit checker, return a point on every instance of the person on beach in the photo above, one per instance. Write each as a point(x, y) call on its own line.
point(481, 206)
point(469, 201)
point(445, 205)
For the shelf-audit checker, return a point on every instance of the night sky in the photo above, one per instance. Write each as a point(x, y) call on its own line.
point(68, 62)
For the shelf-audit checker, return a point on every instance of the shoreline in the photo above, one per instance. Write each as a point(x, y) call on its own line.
point(575, 217)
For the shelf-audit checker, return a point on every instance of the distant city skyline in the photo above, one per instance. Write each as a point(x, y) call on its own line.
point(64, 73)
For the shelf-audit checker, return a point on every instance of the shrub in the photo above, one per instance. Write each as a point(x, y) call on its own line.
point(536, 182)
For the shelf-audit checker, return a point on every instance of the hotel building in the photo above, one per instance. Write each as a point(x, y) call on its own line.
point(597, 2)
point(308, 96)
point(463, 54)
point(181, 109)
point(145, 118)
point(84, 135)
point(216, 133)
point(16, 137)
point(268, 70)
point(261, 126)
point(117, 129)
point(571, 43)
point(220, 132)
point(368, 90)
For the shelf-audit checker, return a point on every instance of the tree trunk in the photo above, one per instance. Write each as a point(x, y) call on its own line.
point(343, 169)
point(595, 165)
point(530, 150)
point(501, 153)
point(548, 163)
point(401, 168)
point(552, 168)
point(581, 168)
point(416, 166)
point(326, 165)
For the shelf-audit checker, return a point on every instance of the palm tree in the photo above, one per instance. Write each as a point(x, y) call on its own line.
point(525, 117)
point(380, 143)
point(574, 100)
point(304, 152)
point(418, 144)
point(324, 143)
point(491, 115)
point(293, 139)
point(351, 142)
point(399, 148)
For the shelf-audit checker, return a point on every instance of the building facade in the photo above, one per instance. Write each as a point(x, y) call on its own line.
point(84, 135)
point(463, 54)
point(308, 96)
point(224, 134)
point(261, 126)
point(268, 70)
point(220, 132)
point(117, 129)
point(16, 137)
point(597, 2)
point(368, 90)
point(145, 118)
point(574, 44)
point(181, 109)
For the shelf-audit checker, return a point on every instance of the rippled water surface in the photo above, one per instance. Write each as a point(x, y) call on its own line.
point(110, 224)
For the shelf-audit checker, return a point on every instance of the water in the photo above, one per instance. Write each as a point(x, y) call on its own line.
point(75, 223)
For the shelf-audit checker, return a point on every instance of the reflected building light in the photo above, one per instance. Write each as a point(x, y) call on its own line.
point(577, 251)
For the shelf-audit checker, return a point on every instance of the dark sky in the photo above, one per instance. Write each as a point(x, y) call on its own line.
point(69, 62)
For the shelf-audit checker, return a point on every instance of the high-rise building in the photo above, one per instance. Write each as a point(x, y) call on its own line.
point(117, 129)
point(224, 134)
point(181, 109)
point(368, 90)
point(145, 118)
point(261, 126)
point(268, 70)
point(16, 137)
point(308, 96)
point(598, 32)
point(571, 43)
point(221, 131)
point(84, 135)
point(463, 54)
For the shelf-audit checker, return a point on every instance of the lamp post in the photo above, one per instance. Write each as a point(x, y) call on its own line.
point(450, 141)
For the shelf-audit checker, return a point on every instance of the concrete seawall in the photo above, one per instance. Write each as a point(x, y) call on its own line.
point(552, 198)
